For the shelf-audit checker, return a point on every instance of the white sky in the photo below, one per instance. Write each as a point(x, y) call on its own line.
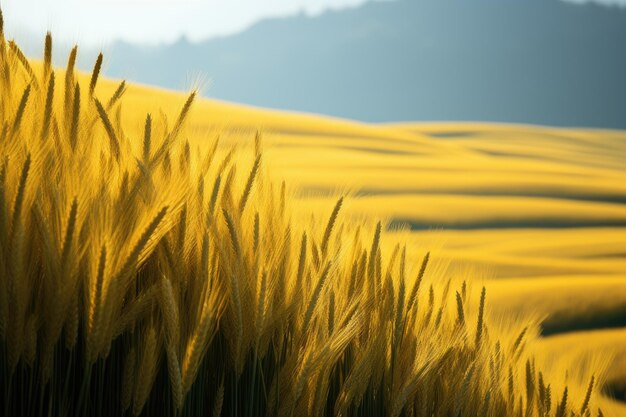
point(98, 22)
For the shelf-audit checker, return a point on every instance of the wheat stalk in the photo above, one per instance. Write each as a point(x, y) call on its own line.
point(173, 369)
point(195, 349)
point(71, 326)
point(147, 371)
point(219, 400)
point(94, 309)
point(398, 324)
point(128, 380)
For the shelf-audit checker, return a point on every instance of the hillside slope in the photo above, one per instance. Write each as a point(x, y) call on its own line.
point(538, 213)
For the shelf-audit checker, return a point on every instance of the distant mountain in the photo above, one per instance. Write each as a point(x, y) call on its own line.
point(533, 61)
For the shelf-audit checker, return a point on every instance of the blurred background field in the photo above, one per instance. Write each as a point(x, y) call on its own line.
point(537, 213)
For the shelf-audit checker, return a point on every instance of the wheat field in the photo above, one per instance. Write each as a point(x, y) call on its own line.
point(154, 262)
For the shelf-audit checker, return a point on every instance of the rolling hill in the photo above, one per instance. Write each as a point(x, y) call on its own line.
point(537, 213)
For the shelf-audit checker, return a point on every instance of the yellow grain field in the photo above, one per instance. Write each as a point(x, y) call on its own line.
point(160, 255)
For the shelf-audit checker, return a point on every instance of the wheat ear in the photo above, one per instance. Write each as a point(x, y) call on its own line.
point(562, 407)
point(47, 56)
point(117, 95)
point(256, 234)
point(47, 117)
point(371, 267)
point(24, 62)
point(69, 233)
point(214, 193)
point(588, 395)
point(75, 117)
point(95, 74)
point(314, 298)
point(142, 242)
point(249, 183)
point(195, 349)
point(481, 314)
point(113, 141)
point(459, 309)
point(232, 232)
point(183, 113)
point(147, 371)
point(169, 310)
point(69, 70)
point(19, 198)
point(173, 369)
point(147, 136)
point(330, 225)
point(301, 262)
point(69, 84)
point(518, 341)
point(20, 109)
point(260, 315)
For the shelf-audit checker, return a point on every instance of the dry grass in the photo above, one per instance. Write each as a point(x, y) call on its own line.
point(140, 276)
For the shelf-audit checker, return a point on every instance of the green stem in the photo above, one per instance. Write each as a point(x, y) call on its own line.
point(252, 385)
point(8, 396)
point(66, 384)
point(83, 390)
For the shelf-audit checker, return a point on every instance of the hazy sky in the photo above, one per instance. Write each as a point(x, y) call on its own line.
point(97, 22)
point(100, 21)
